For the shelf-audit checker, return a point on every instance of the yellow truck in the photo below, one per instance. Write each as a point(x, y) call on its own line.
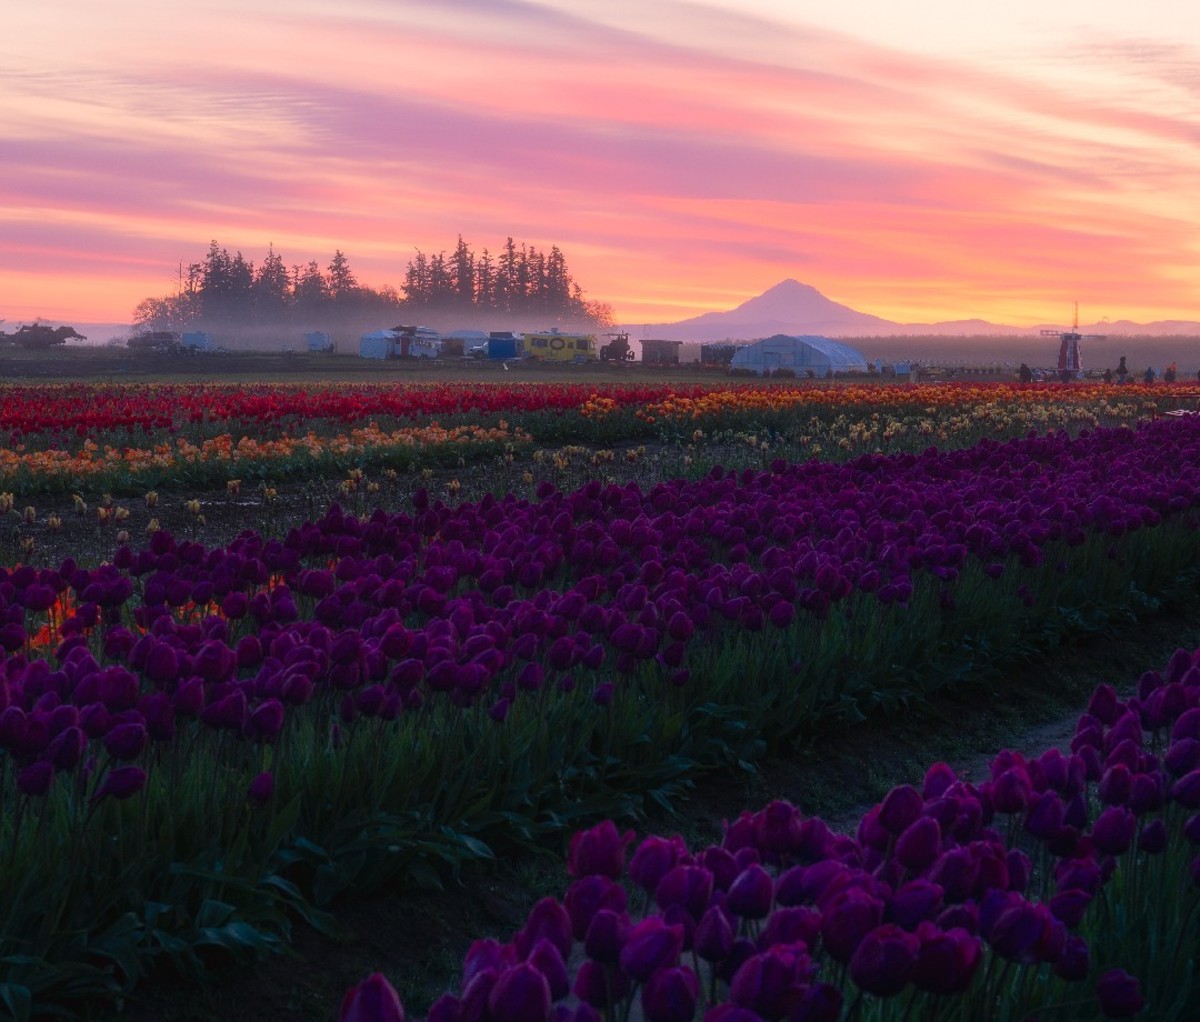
point(553, 346)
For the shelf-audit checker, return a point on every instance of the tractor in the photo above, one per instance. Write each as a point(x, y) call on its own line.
point(617, 349)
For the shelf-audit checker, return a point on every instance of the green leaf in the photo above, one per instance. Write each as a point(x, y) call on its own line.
point(18, 1000)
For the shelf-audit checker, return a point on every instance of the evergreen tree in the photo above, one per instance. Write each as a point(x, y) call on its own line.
point(462, 275)
point(441, 290)
point(272, 289)
point(506, 277)
point(417, 289)
point(485, 282)
point(341, 281)
point(310, 295)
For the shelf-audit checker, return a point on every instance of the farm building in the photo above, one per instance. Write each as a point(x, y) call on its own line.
point(802, 355)
point(661, 353)
point(378, 344)
point(718, 354)
point(318, 341)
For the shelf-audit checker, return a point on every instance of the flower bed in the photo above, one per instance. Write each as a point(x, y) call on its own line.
point(1064, 886)
point(118, 438)
point(218, 738)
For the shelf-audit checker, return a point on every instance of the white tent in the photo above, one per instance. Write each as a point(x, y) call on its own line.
point(800, 354)
point(379, 344)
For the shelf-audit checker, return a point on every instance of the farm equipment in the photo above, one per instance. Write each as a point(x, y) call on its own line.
point(617, 349)
point(38, 335)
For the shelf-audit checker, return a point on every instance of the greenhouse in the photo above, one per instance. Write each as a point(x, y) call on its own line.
point(803, 355)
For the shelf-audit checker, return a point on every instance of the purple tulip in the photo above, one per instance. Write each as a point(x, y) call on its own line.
point(917, 900)
point(918, 846)
point(714, 935)
point(1153, 838)
point(939, 778)
point(265, 721)
point(883, 962)
point(670, 995)
point(777, 830)
point(1015, 929)
point(750, 894)
point(35, 779)
point(1044, 818)
point(587, 896)
point(1104, 705)
point(690, 887)
point(650, 946)
point(1116, 785)
point(1074, 963)
point(66, 749)
point(373, 1000)
point(548, 919)
point(486, 954)
point(947, 960)
point(600, 850)
point(1114, 830)
point(1069, 906)
point(653, 859)
point(1183, 756)
point(849, 916)
point(446, 1008)
point(261, 789)
point(901, 808)
point(821, 1002)
point(121, 783)
point(520, 994)
point(545, 958)
point(1186, 790)
point(600, 985)
point(1120, 994)
point(126, 741)
point(771, 983)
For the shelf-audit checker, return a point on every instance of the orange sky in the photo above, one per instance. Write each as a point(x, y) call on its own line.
point(684, 157)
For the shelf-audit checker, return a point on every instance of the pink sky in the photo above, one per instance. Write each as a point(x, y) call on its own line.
point(684, 157)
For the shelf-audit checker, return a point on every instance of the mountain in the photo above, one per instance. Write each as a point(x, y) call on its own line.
point(787, 308)
point(791, 307)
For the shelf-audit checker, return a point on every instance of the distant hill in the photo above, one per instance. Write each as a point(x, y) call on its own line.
point(791, 307)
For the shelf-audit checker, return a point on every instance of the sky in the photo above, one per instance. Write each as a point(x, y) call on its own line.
point(919, 161)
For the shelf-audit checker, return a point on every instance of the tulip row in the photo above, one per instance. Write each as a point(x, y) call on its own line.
point(330, 709)
point(214, 460)
point(85, 410)
point(1064, 886)
point(88, 410)
point(311, 437)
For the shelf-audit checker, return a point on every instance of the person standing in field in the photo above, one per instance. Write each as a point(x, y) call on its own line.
point(1122, 370)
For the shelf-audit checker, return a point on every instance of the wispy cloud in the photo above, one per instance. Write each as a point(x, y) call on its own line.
point(682, 161)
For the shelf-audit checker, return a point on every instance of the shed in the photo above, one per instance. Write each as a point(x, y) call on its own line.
point(659, 352)
point(378, 344)
point(800, 354)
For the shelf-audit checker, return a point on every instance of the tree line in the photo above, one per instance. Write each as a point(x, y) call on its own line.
point(229, 292)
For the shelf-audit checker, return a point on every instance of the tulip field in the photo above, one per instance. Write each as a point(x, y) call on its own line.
point(266, 649)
